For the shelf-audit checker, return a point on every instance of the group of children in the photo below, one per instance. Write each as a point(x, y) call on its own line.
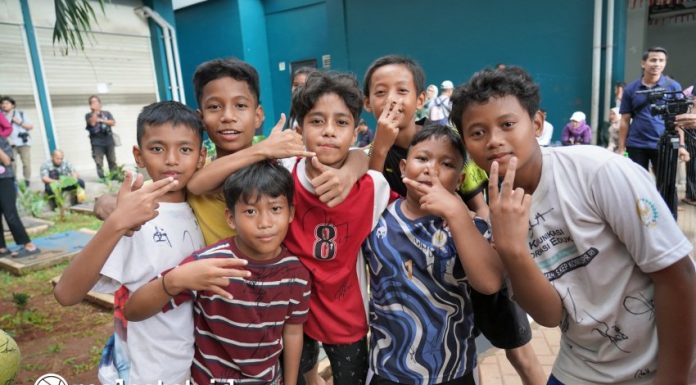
point(292, 222)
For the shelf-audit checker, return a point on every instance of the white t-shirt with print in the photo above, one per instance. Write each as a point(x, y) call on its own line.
point(597, 227)
point(160, 347)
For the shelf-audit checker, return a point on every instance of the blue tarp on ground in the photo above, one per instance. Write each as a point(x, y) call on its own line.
point(65, 241)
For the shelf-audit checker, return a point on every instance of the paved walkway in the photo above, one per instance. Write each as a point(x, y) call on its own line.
point(495, 368)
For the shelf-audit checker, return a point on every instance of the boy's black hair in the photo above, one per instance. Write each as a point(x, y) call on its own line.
point(174, 113)
point(267, 177)
point(491, 83)
point(321, 83)
point(89, 100)
point(437, 131)
point(415, 69)
point(220, 68)
point(653, 49)
point(8, 98)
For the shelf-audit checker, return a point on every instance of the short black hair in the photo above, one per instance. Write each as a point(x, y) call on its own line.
point(321, 83)
point(174, 113)
point(267, 177)
point(93, 97)
point(229, 67)
point(415, 69)
point(653, 49)
point(495, 83)
point(7, 98)
point(437, 131)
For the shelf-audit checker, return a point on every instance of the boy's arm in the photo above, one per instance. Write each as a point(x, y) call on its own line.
point(134, 209)
point(280, 144)
point(675, 315)
point(483, 268)
point(479, 206)
point(386, 133)
point(211, 274)
point(510, 222)
point(292, 351)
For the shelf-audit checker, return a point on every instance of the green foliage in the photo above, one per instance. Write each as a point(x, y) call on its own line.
point(21, 300)
point(59, 196)
point(30, 202)
point(55, 348)
point(112, 179)
point(257, 139)
point(73, 19)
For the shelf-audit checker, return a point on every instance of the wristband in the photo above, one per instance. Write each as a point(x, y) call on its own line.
point(682, 145)
point(371, 150)
point(165, 288)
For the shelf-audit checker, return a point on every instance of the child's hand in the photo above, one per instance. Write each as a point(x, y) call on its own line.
point(388, 123)
point(509, 211)
point(211, 274)
point(332, 186)
point(137, 204)
point(283, 143)
point(435, 199)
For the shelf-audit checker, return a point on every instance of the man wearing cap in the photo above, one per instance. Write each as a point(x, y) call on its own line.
point(441, 106)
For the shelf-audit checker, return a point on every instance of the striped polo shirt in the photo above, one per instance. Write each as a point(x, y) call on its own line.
point(240, 339)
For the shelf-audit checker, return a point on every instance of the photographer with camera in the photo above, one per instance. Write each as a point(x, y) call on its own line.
point(641, 129)
point(19, 139)
point(99, 123)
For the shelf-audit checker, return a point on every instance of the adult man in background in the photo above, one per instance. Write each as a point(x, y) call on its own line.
point(99, 123)
point(53, 169)
point(639, 130)
point(19, 138)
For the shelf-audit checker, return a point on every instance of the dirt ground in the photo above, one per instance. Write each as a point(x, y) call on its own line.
point(52, 339)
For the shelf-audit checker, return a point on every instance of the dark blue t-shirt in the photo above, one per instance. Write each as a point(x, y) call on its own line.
point(645, 130)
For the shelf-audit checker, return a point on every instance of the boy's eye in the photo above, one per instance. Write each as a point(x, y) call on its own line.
point(448, 164)
point(508, 124)
point(241, 106)
point(316, 121)
point(421, 158)
point(186, 150)
point(379, 93)
point(277, 209)
point(343, 122)
point(403, 91)
point(213, 107)
point(249, 211)
point(156, 149)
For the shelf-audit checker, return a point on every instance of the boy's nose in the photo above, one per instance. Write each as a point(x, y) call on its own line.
point(229, 115)
point(172, 157)
point(496, 138)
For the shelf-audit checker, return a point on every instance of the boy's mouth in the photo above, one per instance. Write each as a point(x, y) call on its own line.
point(173, 174)
point(229, 133)
point(500, 156)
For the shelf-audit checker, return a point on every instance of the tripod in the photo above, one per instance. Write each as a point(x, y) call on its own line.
point(666, 168)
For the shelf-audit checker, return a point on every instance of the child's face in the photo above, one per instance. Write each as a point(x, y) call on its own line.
point(261, 225)
point(575, 123)
point(499, 129)
point(170, 151)
point(299, 81)
point(329, 130)
point(231, 114)
point(390, 84)
point(430, 158)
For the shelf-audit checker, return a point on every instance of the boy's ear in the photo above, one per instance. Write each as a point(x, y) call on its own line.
point(420, 101)
point(259, 117)
point(229, 217)
point(292, 213)
point(538, 122)
point(138, 155)
point(201, 157)
point(367, 104)
point(402, 166)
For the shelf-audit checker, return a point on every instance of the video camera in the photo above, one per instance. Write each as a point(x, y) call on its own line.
point(668, 104)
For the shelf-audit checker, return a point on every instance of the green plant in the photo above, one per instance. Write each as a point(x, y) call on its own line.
point(113, 179)
point(73, 18)
point(58, 188)
point(55, 348)
point(20, 300)
point(30, 202)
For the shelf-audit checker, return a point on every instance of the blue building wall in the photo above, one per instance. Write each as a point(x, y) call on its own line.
point(206, 31)
point(551, 39)
point(164, 9)
point(450, 38)
point(296, 31)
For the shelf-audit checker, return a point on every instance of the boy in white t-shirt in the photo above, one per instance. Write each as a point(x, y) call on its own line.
point(588, 243)
point(160, 348)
